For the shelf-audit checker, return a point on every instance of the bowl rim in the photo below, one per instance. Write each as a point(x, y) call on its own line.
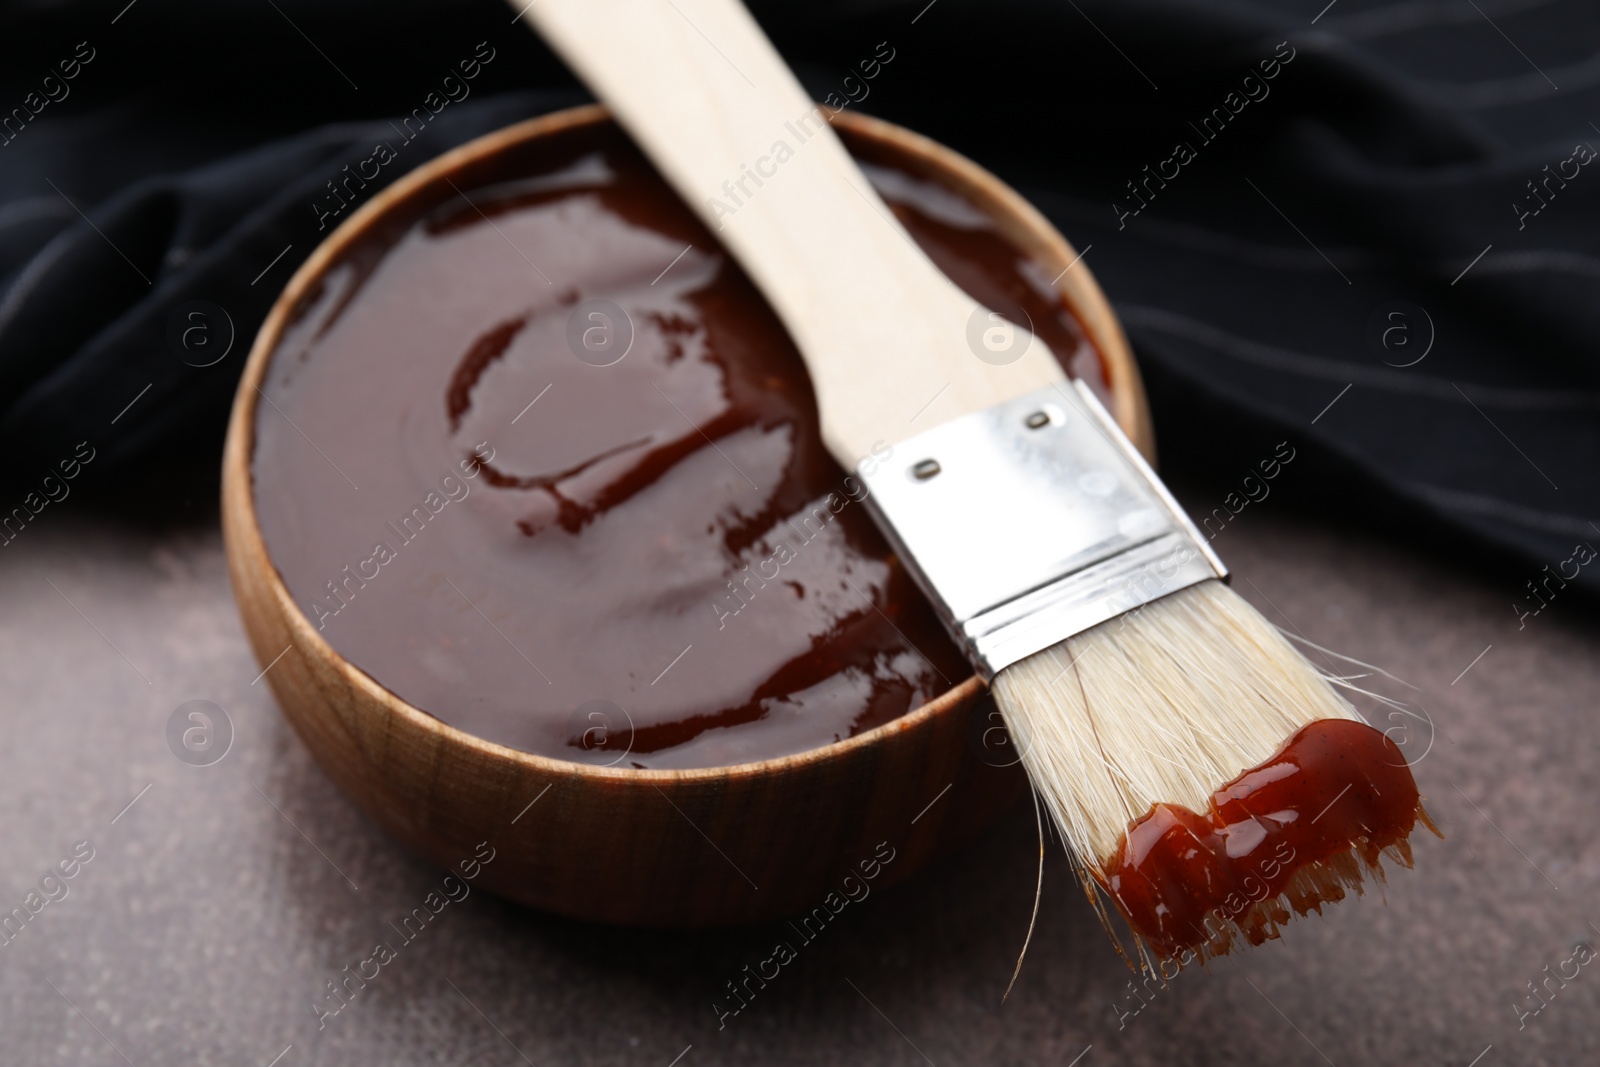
point(239, 486)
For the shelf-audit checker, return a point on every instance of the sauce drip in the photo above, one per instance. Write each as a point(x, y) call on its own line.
point(1294, 827)
point(648, 563)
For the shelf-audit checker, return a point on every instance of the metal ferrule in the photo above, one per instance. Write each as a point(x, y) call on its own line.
point(1032, 521)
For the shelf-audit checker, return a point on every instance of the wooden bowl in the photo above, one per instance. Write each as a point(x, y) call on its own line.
point(689, 848)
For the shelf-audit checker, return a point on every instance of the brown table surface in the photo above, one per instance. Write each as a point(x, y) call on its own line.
point(217, 905)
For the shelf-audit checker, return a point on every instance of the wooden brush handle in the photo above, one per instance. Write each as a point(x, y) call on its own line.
point(702, 91)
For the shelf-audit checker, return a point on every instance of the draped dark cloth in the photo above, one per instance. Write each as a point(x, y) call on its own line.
point(1368, 230)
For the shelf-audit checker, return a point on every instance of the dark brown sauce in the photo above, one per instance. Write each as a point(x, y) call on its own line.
point(652, 563)
point(1337, 791)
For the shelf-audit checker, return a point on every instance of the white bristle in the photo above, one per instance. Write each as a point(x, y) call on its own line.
point(1163, 704)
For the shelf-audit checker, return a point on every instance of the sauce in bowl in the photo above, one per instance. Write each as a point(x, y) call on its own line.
point(538, 458)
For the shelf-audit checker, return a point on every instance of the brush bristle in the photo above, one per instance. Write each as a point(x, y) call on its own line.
point(1163, 705)
point(1314, 885)
point(1160, 705)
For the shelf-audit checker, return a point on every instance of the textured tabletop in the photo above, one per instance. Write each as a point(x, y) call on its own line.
point(220, 900)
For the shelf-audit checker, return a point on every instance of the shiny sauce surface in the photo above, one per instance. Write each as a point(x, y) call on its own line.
point(651, 563)
point(1182, 878)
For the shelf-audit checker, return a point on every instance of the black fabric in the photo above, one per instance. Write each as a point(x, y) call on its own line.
point(1388, 158)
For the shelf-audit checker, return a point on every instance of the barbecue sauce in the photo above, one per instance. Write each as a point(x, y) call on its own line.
point(649, 561)
point(1293, 832)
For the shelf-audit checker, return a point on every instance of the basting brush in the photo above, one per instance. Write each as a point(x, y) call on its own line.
point(1209, 781)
